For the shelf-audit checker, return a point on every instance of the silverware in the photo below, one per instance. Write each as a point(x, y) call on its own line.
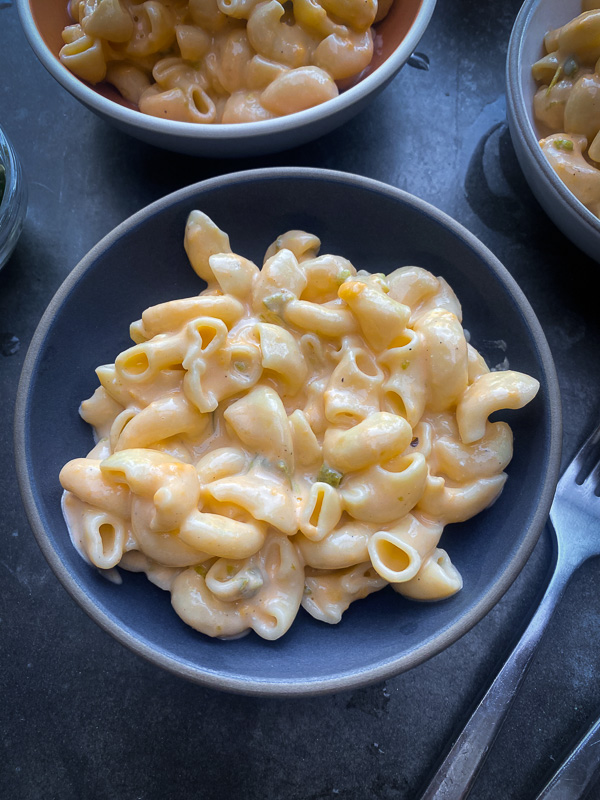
point(577, 771)
point(575, 518)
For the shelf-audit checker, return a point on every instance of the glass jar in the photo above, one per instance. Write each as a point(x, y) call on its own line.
point(13, 204)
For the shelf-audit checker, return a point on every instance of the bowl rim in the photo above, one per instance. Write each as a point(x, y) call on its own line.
point(522, 116)
point(342, 681)
point(219, 131)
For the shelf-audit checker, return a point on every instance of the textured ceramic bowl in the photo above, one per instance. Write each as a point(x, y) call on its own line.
point(13, 199)
point(397, 37)
point(143, 262)
point(535, 19)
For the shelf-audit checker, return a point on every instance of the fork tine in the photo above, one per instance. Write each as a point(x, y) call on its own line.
point(592, 482)
point(584, 462)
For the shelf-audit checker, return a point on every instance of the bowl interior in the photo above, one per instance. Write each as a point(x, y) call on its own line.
point(143, 263)
point(51, 16)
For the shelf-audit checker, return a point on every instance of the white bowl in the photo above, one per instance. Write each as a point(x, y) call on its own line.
point(535, 19)
point(44, 20)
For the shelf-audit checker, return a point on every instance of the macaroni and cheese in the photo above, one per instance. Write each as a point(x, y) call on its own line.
point(294, 435)
point(568, 103)
point(211, 61)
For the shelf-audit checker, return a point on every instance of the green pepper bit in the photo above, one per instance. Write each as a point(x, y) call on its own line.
point(557, 76)
point(563, 144)
point(275, 302)
point(343, 275)
point(570, 67)
point(330, 476)
point(283, 467)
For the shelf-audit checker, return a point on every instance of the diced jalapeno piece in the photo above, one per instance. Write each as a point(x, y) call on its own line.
point(276, 301)
point(570, 67)
point(563, 144)
point(555, 79)
point(330, 476)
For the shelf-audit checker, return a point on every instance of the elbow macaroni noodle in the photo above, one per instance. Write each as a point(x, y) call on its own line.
point(221, 61)
point(294, 435)
point(567, 104)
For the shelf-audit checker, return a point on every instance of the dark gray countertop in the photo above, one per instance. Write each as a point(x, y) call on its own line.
point(80, 716)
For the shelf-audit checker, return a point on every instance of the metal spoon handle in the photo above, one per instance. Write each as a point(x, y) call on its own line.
point(455, 776)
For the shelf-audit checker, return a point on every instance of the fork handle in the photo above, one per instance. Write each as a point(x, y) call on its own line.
point(456, 774)
point(577, 772)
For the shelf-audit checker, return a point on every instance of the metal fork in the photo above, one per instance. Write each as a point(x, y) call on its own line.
point(575, 518)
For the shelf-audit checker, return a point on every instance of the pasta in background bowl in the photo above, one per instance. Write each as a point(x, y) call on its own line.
point(293, 102)
point(222, 61)
point(566, 103)
point(537, 18)
point(379, 229)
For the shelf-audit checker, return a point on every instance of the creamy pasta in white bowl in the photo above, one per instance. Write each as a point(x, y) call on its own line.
point(535, 115)
point(225, 77)
point(276, 444)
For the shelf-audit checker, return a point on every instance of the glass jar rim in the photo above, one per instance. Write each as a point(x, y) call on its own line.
point(9, 160)
point(13, 205)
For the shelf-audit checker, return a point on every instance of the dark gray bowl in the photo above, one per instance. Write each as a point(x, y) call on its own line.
point(142, 262)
